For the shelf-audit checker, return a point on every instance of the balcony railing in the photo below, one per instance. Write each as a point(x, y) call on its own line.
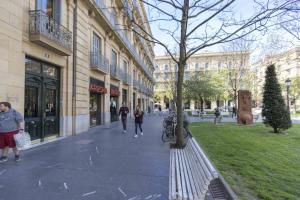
point(111, 18)
point(48, 32)
point(127, 9)
point(125, 76)
point(139, 9)
point(98, 61)
point(114, 71)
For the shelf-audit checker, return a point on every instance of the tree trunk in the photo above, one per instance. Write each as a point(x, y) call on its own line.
point(202, 109)
point(275, 130)
point(182, 61)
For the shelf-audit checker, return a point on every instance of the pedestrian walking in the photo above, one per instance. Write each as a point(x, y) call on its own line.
point(11, 122)
point(233, 112)
point(123, 112)
point(159, 109)
point(138, 114)
point(217, 116)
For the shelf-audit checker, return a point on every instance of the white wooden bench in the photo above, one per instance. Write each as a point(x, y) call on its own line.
point(190, 173)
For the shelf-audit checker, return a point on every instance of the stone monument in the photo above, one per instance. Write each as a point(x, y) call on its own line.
point(244, 113)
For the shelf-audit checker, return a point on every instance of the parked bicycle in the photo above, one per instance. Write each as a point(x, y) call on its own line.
point(169, 127)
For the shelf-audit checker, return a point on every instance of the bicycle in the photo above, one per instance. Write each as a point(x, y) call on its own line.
point(169, 125)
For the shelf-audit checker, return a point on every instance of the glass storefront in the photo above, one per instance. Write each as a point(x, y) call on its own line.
point(124, 96)
point(96, 90)
point(114, 104)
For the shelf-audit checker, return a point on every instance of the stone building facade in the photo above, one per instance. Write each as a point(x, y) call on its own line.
point(68, 65)
point(287, 67)
point(214, 62)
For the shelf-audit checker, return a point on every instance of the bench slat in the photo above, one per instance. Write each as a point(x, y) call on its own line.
point(170, 175)
point(172, 181)
point(189, 194)
point(207, 174)
point(204, 157)
point(201, 166)
point(178, 177)
point(191, 184)
point(193, 172)
point(190, 172)
point(183, 185)
point(198, 173)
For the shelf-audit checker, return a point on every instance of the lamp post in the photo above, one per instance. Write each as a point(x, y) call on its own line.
point(288, 84)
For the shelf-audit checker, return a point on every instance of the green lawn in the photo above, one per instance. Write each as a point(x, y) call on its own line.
point(255, 162)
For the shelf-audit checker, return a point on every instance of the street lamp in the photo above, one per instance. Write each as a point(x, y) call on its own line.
point(288, 84)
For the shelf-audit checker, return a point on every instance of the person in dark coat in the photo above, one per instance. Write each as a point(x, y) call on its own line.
point(233, 111)
point(123, 112)
point(139, 115)
point(217, 116)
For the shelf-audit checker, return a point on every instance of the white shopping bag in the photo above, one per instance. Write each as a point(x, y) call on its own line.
point(22, 140)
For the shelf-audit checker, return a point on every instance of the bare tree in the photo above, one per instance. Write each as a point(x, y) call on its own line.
point(193, 25)
point(237, 68)
point(290, 22)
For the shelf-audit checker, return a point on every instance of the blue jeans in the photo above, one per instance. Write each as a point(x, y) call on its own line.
point(136, 127)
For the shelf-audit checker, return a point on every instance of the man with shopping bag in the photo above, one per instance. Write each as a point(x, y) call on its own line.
point(11, 123)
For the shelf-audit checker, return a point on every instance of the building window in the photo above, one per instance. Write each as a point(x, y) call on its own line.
point(166, 67)
point(166, 76)
point(230, 64)
point(114, 60)
point(219, 66)
point(175, 67)
point(51, 8)
point(206, 66)
point(125, 66)
point(96, 46)
point(47, 6)
point(197, 66)
point(186, 75)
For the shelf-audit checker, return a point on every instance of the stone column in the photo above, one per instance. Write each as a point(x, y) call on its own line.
point(107, 101)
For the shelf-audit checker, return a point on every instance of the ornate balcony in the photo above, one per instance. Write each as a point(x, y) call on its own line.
point(47, 32)
point(99, 62)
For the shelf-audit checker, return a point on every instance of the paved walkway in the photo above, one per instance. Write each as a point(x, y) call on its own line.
point(102, 164)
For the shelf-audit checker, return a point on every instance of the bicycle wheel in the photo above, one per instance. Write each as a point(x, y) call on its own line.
point(165, 137)
point(186, 133)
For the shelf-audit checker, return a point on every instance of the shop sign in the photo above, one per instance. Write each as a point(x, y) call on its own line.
point(114, 91)
point(97, 86)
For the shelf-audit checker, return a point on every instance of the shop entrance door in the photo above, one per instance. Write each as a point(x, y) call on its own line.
point(95, 109)
point(41, 100)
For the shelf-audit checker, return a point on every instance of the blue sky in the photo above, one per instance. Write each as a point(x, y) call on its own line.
point(241, 9)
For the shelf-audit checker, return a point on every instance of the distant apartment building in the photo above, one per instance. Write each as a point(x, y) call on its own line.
point(165, 75)
point(287, 67)
point(68, 65)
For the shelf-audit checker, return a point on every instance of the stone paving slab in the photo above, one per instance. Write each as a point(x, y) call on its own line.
point(101, 164)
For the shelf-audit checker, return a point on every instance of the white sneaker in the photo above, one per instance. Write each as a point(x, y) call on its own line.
point(135, 135)
point(124, 131)
point(142, 133)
